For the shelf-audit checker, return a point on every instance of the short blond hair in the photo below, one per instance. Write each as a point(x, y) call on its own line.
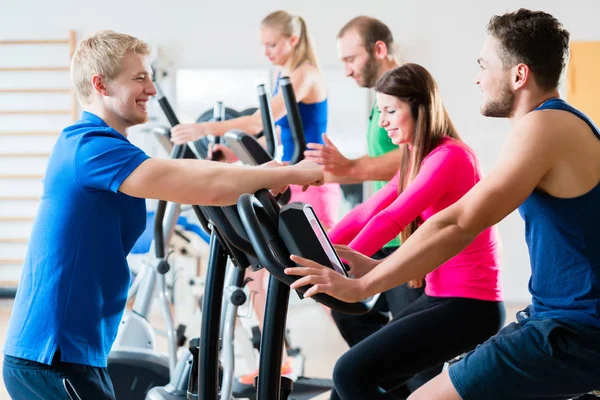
point(101, 53)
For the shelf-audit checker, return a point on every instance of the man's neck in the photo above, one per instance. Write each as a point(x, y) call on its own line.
point(110, 118)
point(528, 101)
point(387, 65)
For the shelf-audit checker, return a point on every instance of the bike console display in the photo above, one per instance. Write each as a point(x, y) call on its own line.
point(298, 220)
point(277, 232)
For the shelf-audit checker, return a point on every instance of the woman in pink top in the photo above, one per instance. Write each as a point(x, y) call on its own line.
point(462, 304)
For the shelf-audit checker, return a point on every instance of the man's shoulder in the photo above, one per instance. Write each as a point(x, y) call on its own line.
point(90, 129)
point(543, 136)
point(87, 139)
point(550, 126)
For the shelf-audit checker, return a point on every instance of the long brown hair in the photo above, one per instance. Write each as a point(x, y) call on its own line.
point(291, 25)
point(414, 84)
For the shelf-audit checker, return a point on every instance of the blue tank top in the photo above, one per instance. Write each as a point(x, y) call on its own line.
point(564, 248)
point(314, 122)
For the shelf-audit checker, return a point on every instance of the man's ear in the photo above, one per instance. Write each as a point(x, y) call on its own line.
point(380, 50)
point(99, 86)
point(521, 75)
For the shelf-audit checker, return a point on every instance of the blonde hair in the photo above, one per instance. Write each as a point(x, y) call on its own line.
point(291, 25)
point(101, 53)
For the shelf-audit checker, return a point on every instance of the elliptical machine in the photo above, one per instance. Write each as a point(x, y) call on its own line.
point(227, 238)
point(269, 385)
point(275, 233)
point(305, 387)
point(179, 385)
point(183, 383)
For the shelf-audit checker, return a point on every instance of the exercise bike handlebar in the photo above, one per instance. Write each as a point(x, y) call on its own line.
point(166, 106)
point(258, 218)
point(267, 118)
point(219, 111)
point(293, 114)
point(229, 233)
point(218, 115)
point(178, 151)
point(269, 132)
point(159, 239)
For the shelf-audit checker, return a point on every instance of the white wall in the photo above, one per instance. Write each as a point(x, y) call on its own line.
point(443, 36)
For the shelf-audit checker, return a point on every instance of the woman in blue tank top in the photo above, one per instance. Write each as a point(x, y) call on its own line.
point(288, 46)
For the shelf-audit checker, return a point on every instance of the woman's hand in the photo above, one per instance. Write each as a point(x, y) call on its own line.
point(183, 133)
point(359, 264)
point(226, 155)
point(325, 280)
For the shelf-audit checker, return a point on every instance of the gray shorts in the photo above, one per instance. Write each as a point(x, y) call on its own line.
point(531, 359)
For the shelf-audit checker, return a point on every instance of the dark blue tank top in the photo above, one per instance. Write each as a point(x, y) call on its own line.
point(563, 236)
point(314, 122)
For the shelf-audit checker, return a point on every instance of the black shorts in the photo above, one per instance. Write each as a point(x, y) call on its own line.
point(532, 359)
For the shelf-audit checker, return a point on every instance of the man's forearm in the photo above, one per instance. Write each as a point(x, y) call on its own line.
point(381, 168)
point(366, 168)
point(204, 182)
point(435, 242)
point(341, 179)
point(359, 170)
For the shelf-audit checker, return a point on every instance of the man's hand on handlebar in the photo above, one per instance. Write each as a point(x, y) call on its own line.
point(312, 172)
point(275, 164)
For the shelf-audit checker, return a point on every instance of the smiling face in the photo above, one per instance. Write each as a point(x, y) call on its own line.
point(494, 80)
point(396, 118)
point(277, 48)
point(359, 64)
point(130, 91)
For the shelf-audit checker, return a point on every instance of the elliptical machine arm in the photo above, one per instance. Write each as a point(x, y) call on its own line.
point(293, 114)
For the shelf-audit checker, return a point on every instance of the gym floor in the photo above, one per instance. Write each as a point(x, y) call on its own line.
point(321, 344)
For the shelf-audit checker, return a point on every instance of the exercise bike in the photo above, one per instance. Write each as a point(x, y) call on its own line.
point(219, 317)
point(183, 383)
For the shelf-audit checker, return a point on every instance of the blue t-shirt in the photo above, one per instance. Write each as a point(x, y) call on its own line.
point(562, 236)
point(74, 283)
point(314, 124)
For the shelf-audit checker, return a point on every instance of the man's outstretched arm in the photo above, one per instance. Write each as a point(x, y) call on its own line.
point(211, 183)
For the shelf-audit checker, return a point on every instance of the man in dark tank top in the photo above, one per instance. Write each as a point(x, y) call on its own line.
point(549, 170)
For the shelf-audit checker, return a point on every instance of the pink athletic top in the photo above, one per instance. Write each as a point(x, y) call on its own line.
point(446, 174)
